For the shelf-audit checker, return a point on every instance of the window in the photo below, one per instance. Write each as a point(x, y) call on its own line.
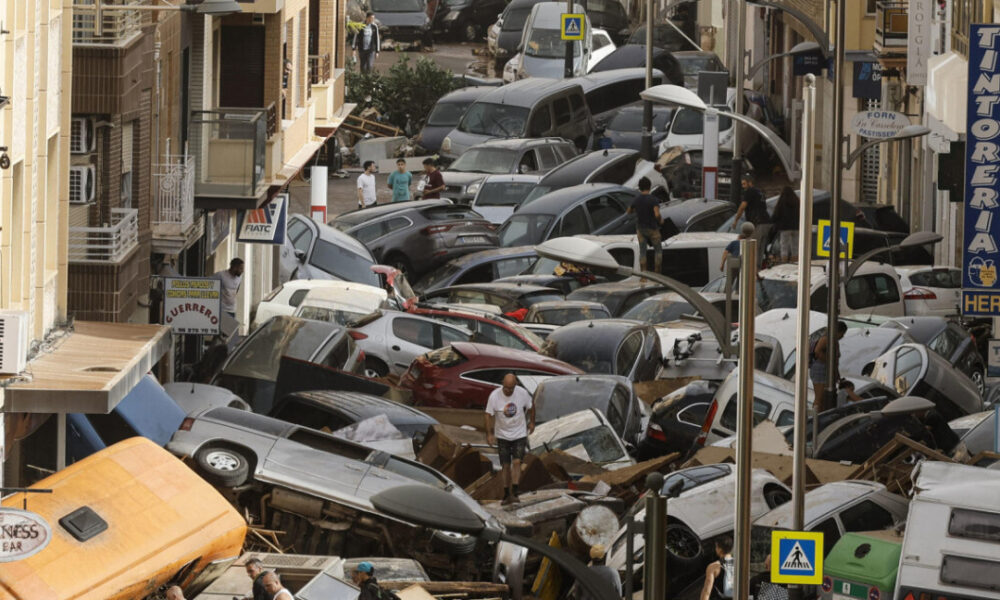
point(337, 358)
point(866, 516)
point(871, 290)
point(618, 410)
point(939, 278)
point(414, 331)
point(547, 157)
point(328, 444)
point(567, 151)
point(126, 190)
point(451, 334)
point(371, 232)
point(578, 104)
point(785, 419)
point(710, 222)
point(947, 342)
point(308, 415)
point(513, 266)
point(818, 300)
point(970, 572)
point(694, 414)
point(297, 297)
point(561, 108)
point(303, 240)
point(761, 411)
point(481, 274)
point(600, 41)
point(397, 223)
point(623, 256)
point(528, 162)
point(603, 210)
point(541, 122)
point(628, 352)
point(964, 12)
point(491, 376)
point(908, 363)
point(469, 297)
point(831, 533)
point(500, 336)
point(574, 223)
point(974, 525)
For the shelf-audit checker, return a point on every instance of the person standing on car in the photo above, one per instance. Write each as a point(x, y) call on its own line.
point(507, 427)
point(367, 44)
point(786, 223)
point(399, 182)
point(719, 575)
point(367, 196)
point(752, 204)
point(817, 365)
point(434, 181)
point(647, 224)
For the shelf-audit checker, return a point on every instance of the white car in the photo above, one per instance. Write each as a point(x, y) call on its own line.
point(391, 340)
point(342, 304)
point(586, 435)
point(931, 291)
point(602, 46)
point(688, 126)
point(286, 298)
point(873, 290)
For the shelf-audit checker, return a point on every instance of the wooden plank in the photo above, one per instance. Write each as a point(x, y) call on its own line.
point(449, 587)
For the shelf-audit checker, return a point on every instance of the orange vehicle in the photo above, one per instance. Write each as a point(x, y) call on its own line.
point(139, 520)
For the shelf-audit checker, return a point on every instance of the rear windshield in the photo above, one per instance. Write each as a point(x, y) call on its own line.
point(599, 443)
point(485, 160)
point(330, 315)
point(535, 298)
point(564, 316)
point(775, 293)
point(447, 114)
point(260, 356)
point(592, 358)
point(450, 213)
point(691, 122)
point(939, 278)
point(658, 310)
point(343, 263)
point(503, 193)
point(515, 18)
point(446, 357)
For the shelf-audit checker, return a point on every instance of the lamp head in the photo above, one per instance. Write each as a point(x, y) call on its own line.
point(674, 95)
point(428, 506)
point(920, 238)
point(578, 251)
point(911, 131)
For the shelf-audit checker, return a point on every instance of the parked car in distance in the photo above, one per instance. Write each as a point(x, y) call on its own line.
point(696, 61)
point(317, 251)
point(931, 290)
point(466, 20)
point(618, 166)
point(523, 156)
point(415, 237)
point(611, 395)
point(596, 208)
point(603, 45)
point(632, 56)
point(618, 296)
point(676, 419)
point(446, 114)
point(625, 127)
point(504, 36)
point(343, 305)
point(564, 312)
point(486, 328)
point(463, 375)
point(508, 296)
point(391, 339)
point(915, 370)
point(948, 339)
point(587, 434)
point(608, 346)
point(484, 266)
point(498, 196)
point(330, 410)
point(402, 20)
point(542, 50)
point(608, 16)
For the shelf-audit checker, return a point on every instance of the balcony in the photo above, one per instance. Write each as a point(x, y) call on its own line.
point(319, 69)
point(229, 146)
point(118, 27)
point(891, 28)
point(109, 244)
point(173, 204)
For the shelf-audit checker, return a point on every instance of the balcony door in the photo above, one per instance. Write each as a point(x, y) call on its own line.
point(241, 68)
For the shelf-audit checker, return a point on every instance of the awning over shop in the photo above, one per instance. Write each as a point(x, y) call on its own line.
point(948, 89)
point(89, 370)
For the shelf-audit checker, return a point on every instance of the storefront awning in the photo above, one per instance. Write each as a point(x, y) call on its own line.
point(89, 370)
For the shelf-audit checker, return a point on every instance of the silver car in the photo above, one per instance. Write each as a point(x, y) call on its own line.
point(391, 340)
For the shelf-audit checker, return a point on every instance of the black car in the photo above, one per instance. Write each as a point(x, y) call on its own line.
point(625, 128)
point(665, 35)
point(479, 267)
point(512, 22)
point(402, 20)
point(633, 55)
point(596, 208)
point(508, 296)
point(695, 214)
point(612, 395)
point(618, 296)
point(949, 340)
point(333, 410)
point(608, 15)
point(467, 20)
point(676, 420)
point(630, 349)
point(446, 114)
point(615, 166)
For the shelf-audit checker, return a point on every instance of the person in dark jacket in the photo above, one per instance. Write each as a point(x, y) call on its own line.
point(367, 44)
point(786, 223)
point(363, 576)
point(752, 205)
point(256, 572)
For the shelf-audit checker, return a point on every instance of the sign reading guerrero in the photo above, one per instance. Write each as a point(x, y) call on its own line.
point(192, 305)
point(980, 289)
point(264, 225)
point(22, 534)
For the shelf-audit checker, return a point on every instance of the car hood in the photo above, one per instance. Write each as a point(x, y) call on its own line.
point(431, 137)
point(462, 141)
point(461, 178)
point(553, 68)
point(403, 19)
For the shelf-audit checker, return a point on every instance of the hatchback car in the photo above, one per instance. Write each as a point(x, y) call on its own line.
point(486, 328)
point(463, 375)
point(948, 339)
point(694, 215)
point(625, 127)
point(479, 267)
point(618, 296)
point(467, 20)
point(499, 196)
point(609, 346)
point(463, 177)
point(596, 208)
point(931, 290)
point(415, 237)
point(391, 339)
point(446, 114)
point(564, 312)
point(316, 251)
point(915, 370)
point(507, 296)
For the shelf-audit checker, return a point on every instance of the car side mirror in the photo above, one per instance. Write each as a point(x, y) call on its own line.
point(301, 255)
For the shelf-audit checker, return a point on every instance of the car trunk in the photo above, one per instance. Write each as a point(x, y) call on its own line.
point(457, 227)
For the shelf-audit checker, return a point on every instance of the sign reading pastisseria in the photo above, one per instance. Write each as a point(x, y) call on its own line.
point(980, 290)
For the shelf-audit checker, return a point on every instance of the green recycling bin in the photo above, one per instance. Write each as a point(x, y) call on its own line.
point(862, 566)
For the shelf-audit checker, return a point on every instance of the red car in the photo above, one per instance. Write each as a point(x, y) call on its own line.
point(488, 328)
point(464, 374)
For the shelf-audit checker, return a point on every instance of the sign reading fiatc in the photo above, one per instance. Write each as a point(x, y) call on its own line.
point(22, 534)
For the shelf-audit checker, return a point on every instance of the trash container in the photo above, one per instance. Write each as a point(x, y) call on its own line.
point(862, 566)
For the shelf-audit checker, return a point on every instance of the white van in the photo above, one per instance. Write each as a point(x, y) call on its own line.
point(873, 290)
point(773, 400)
point(542, 52)
point(954, 552)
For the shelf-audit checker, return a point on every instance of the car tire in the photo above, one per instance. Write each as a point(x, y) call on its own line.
point(454, 544)
point(375, 367)
point(775, 496)
point(979, 378)
point(684, 547)
point(222, 466)
point(398, 261)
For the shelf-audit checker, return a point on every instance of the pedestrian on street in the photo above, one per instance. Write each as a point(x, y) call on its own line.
point(399, 182)
point(255, 571)
point(175, 592)
point(272, 583)
point(752, 204)
point(363, 576)
point(603, 571)
point(232, 279)
point(719, 575)
point(647, 224)
point(817, 365)
point(786, 222)
point(366, 186)
point(507, 427)
point(367, 44)
point(434, 184)
point(732, 250)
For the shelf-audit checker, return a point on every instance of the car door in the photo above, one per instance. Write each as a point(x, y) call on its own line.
point(387, 237)
point(412, 335)
point(874, 293)
point(298, 241)
point(529, 162)
point(309, 460)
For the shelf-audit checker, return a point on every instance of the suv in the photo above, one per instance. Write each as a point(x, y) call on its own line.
point(874, 289)
point(497, 157)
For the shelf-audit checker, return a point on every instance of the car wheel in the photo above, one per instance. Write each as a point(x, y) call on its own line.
point(775, 496)
point(979, 378)
point(455, 544)
point(684, 546)
point(469, 32)
point(222, 466)
point(398, 261)
point(375, 368)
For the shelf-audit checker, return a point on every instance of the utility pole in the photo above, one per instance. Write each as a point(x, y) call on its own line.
point(647, 106)
point(736, 179)
point(568, 71)
point(744, 424)
point(833, 276)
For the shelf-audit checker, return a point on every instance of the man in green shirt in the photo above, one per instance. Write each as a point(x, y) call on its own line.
point(399, 182)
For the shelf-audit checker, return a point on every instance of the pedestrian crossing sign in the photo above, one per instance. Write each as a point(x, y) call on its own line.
point(797, 557)
point(572, 26)
point(846, 238)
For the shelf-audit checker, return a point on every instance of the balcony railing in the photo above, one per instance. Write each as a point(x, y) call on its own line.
point(173, 205)
point(118, 26)
point(319, 68)
point(107, 244)
point(229, 150)
point(891, 27)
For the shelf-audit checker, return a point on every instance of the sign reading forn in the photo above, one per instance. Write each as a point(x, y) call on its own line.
point(22, 534)
point(192, 305)
point(878, 124)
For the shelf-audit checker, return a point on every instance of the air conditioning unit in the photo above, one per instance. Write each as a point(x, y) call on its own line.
point(82, 184)
point(81, 136)
point(13, 341)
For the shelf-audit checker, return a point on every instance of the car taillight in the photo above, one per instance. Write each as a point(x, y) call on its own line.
point(703, 435)
point(654, 431)
point(357, 335)
point(186, 424)
point(919, 294)
point(493, 226)
point(432, 229)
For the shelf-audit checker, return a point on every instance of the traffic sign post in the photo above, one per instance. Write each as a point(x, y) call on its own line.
point(797, 557)
point(572, 26)
point(846, 238)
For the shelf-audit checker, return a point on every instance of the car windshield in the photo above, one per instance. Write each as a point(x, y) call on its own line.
point(599, 443)
point(777, 293)
point(659, 310)
point(564, 316)
point(515, 18)
point(590, 358)
point(343, 263)
point(548, 43)
point(330, 315)
point(485, 160)
point(496, 120)
point(524, 230)
point(543, 266)
point(537, 192)
point(506, 193)
point(259, 357)
point(397, 6)
point(692, 65)
point(439, 276)
point(447, 114)
point(692, 122)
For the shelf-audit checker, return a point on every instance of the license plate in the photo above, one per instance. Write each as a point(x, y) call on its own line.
point(724, 180)
point(473, 239)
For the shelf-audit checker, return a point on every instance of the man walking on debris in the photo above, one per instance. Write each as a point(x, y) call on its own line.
point(507, 427)
point(817, 367)
point(272, 583)
point(255, 571)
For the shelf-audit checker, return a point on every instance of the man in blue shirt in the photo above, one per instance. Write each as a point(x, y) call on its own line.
point(647, 223)
point(399, 182)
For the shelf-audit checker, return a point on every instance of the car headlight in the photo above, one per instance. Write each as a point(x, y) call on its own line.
point(446, 145)
point(453, 15)
point(472, 189)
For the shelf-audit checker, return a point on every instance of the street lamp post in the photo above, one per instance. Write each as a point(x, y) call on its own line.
point(735, 189)
point(919, 238)
point(646, 147)
point(797, 50)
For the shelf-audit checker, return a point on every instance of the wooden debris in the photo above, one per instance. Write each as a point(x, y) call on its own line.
point(892, 465)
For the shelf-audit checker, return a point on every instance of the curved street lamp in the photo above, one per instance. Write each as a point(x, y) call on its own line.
point(910, 131)
point(797, 49)
point(920, 238)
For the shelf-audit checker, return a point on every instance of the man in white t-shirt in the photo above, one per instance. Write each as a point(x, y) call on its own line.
point(510, 417)
point(272, 584)
point(366, 186)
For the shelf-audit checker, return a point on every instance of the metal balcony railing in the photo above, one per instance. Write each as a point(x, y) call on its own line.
point(229, 147)
point(173, 205)
point(319, 68)
point(891, 27)
point(110, 243)
point(118, 26)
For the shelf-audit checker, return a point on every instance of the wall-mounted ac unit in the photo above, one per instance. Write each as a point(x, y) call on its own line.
point(14, 341)
point(82, 184)
point(82, 138)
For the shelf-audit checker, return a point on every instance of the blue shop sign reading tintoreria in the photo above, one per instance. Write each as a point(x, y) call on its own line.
point(981, 254)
